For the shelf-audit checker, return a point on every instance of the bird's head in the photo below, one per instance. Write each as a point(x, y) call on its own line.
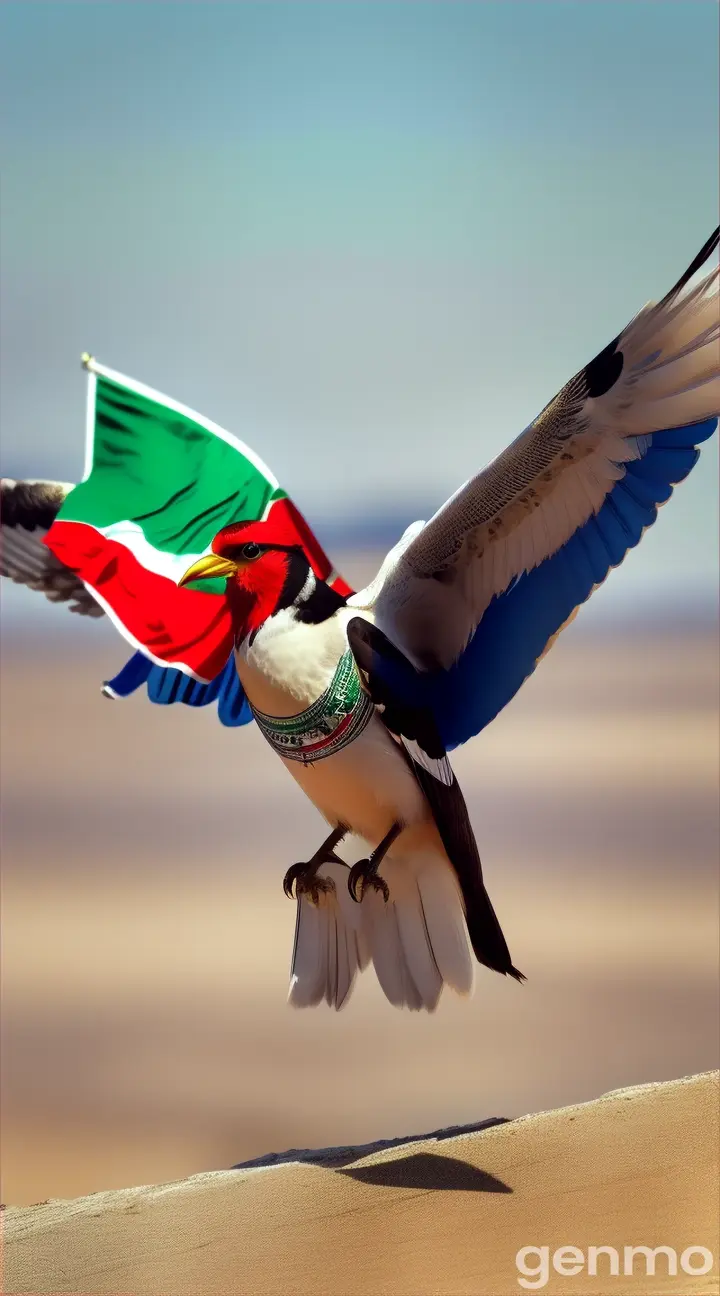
point(266, 569)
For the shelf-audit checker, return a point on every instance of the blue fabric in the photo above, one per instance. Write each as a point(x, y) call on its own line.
point(519, 623)
point(165, 686)
point(133, 674)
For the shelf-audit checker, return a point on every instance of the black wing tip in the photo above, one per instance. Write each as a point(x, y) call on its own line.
point(516, 976)
point(703, 255)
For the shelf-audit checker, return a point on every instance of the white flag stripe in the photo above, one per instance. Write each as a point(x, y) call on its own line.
point(160, 561)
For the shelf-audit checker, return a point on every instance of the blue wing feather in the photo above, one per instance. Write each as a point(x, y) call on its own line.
point(650, 493)
point(612, 535)
point(519, 623)
point(692, 435)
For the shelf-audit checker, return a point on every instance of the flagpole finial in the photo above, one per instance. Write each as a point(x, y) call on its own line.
point(87, 360)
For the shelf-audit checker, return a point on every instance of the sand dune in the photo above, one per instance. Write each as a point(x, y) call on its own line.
point(441, 1215)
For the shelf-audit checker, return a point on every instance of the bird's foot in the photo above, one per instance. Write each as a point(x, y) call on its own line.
point(303, 880)
point(364, 875)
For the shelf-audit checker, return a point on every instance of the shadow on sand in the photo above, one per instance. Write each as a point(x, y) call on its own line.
point(334, 1157)
point(429, 1171)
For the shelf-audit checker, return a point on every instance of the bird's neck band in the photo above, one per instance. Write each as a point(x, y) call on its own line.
point(326, 727)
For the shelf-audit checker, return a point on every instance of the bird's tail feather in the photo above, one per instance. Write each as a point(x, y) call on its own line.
point(330, 947)
point(418, 941)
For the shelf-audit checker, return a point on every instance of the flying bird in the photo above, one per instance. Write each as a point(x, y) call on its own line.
point(362, 695)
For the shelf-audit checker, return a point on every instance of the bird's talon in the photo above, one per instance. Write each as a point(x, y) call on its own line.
point(303, 881)
point(291, 879)
point(362, 876)
point(381, 885)
point(319, 886)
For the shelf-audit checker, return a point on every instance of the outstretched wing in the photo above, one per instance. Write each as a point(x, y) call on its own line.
point(27, 511)
point(480, 592)
point(614, 441)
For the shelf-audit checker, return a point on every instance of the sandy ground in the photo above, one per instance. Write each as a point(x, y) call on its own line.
point(447, 1217)
point(146, 939)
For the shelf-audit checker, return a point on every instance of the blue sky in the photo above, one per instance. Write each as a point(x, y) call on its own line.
point(372, 239)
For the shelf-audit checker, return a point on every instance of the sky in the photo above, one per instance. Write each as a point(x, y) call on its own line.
point(370, 239)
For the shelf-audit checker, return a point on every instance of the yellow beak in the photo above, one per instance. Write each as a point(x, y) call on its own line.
point(212, 565)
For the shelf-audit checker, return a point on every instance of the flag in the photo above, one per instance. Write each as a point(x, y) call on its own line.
point(160, 482)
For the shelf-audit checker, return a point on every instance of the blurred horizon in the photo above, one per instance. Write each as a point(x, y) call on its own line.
point(669, 607)
point(373, 241)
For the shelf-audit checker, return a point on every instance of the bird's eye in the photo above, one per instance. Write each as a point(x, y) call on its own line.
point(250, 551)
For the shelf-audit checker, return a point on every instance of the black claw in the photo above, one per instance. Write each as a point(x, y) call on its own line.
point(291, 878)
point(363, 875)
point(354, 877)
point(303, 879)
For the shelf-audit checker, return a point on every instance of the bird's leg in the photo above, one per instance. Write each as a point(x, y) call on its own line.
point(365, 873)
point(304, 876)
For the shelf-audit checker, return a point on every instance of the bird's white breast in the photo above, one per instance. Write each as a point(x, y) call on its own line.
point(290, 663)
point(368, 784)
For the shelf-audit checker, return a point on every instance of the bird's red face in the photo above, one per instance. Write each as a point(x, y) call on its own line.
point(265, 567)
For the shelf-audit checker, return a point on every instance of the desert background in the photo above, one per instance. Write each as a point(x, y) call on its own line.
point(441, 1216)
point(147, 939)
point(373, 241)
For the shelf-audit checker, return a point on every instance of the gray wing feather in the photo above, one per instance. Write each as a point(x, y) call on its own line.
point(662, 371)
point(27, 511)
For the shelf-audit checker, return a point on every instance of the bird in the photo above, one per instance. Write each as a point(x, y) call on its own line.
point(363, 695)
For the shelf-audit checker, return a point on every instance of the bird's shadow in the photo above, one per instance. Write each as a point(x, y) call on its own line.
point(333, 1158)
point(428, 1171)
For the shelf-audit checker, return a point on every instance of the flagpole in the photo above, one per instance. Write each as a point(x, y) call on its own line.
point(88, 363)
